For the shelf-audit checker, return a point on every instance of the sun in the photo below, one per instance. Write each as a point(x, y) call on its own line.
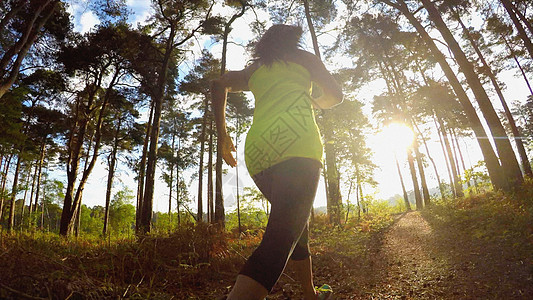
point(397, 137)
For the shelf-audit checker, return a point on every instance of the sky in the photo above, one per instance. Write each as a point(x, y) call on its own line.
point(380, 143)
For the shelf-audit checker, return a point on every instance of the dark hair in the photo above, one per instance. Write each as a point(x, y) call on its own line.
point(277, 41)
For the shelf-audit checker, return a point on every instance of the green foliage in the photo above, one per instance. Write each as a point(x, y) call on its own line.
point(253, 211)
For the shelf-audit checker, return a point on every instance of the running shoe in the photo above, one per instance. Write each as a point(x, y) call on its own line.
point(324, 292)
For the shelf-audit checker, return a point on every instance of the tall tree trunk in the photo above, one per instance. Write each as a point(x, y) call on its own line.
point(491, 160)
point(69, 209)
point(30, 210)
point(453, 166)
point(439, 181)
point(23, 45)
point(26, 188)
point(171, 181)
point(508, 5)
point(416, 187)
point(512, 124)
point(334, 195)
point(219, 198)
point(4, 181)
point(201, 164)
point(39, 175)
point(14, 191)
point(110, 175)
point(523, 18)
point(210, 195)
point(509, 164)
point(423, 183)
point(142, 170)
point(518, 64)
point(445, 155)
point(454, 135)
point(405, 196)
point(148, 196)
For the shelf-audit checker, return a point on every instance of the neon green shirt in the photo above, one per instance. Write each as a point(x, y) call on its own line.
point(284, 123)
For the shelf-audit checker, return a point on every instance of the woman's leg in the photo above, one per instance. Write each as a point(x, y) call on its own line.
point(246, 288)
point(290, 187)
point(304, 274)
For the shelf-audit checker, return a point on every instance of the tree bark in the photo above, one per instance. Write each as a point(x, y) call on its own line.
point(508, 5)
point(405, 196)
point(210, 195)
point(110, 176)
point(142, 171)
point(453, 166)
point(423, 183)
point(509, 164)
point(200, 216)
point(4, 181)
point(419, 132)
point(416, 187)
point(22, 47)
point(148, 197)
point(14, 191)
point(491, 160)
point(518, 64)
point(512, 124)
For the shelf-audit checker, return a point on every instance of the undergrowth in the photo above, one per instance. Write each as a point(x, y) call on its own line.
point(193, 262)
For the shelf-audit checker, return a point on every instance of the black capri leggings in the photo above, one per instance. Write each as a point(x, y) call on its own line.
point(290, 187)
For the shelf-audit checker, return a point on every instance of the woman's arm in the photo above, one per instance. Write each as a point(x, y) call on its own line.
point(332, 92)
point(231, 81)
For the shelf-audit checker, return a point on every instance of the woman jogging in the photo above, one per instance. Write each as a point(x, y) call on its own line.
point(283, 153)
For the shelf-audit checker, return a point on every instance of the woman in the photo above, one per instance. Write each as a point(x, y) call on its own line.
point(283, 152)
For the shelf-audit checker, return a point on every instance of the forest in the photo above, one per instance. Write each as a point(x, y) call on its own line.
point(112, 185)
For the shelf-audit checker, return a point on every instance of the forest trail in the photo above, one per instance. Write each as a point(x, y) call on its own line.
point(422, 255)
point(422, 259)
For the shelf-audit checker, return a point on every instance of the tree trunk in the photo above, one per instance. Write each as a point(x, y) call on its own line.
point(423, 183)
point(201, 164)
point(39, 175)
point(523, 18)
point(21, 48)
point(171, 181)
point(419, 133)
point(110, 175)
point(416, 187)
point(454, 135)
point(30, 210)
point(4, 181)
point(492, 163)
point(334, 195)
point(509, 164)
point(142, 170)
point(517, 137)
point(73, 205)
point(148, 197)
point(210, 195)
point(14, 191)
point(219, 198)
point(453, 166)
point(405, 196)
point(508, 5)
point(519, 65)
point(444, 155)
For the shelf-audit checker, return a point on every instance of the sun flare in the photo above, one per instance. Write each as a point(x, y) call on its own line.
point(397, 137)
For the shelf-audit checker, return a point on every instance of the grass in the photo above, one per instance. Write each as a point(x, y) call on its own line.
point(199, 262)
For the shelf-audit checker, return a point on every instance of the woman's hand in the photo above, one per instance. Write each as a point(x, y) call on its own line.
point(226, 147)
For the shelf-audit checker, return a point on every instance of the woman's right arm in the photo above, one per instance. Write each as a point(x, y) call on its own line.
point(332, 92)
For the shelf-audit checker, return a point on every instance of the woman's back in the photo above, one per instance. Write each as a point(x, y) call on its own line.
point(284, 124)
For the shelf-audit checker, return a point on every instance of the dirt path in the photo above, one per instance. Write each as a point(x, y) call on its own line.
point(423, 259)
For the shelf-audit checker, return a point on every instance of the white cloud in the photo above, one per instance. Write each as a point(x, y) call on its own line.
point(87, 21)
